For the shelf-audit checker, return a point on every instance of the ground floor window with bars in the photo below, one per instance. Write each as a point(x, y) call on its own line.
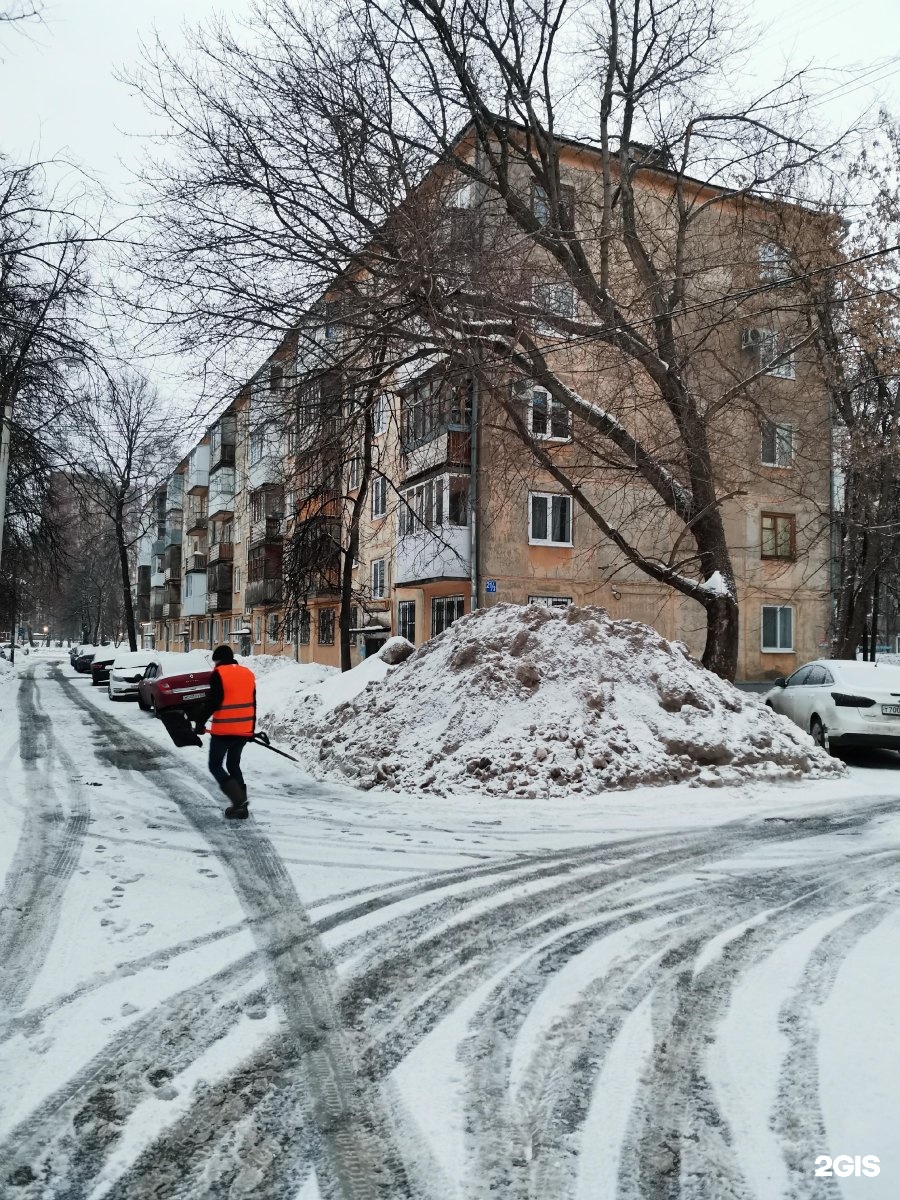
point(444, 611)
point(406, 619)
point(304, 627)
point(777, 628)
point(326, 626)
point(551, 601)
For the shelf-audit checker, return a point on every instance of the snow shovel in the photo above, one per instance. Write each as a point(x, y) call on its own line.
point(179, 727)
point(262, 739)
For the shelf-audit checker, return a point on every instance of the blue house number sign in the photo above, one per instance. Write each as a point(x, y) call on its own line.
point(490, 585)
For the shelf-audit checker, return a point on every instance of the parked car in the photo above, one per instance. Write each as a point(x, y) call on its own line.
point(176, 681)
point(82, 661)
point(127, 671)
point(102, 665)
point(842, 703)
point(80, 649)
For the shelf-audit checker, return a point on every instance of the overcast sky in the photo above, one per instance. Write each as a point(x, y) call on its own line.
point(59, 93)
point(58, 89)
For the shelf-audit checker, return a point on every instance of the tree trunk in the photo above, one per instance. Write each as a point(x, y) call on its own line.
point(127, 606)
point(720, 654)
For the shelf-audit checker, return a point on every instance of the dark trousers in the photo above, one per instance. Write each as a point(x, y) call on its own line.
point(227, 750)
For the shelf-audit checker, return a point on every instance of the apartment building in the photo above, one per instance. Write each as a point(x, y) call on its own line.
point(457, 514)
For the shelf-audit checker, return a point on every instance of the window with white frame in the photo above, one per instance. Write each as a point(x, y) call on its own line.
point(444, 611)
point(272, 630)
point(406, 619)
point(215, 631)
point(226, 629)
point(554, 299)
point(257, 630)
point(774, 263)
point(551, 601)
point(549, 420)
point(379, 578)
point(777, 628)
point(774, 351)
point(440, 501)
point(257, 440)
point(777, 444)
point(549, 519)
point(380, 415)
point(237, 579)
point(379, 496)
point(354, 474)
point(542, 209)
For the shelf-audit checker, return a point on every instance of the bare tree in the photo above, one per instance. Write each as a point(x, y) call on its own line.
point(411, 150)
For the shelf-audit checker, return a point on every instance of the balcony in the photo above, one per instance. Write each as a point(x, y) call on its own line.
point(142, 609)
point(450, 447)
point(195, 562)
point(143, 581)
point(172, 563)
point(219, 577)
point(158, 546)
point(219, 602)
point(222, 441)
point(263, 592)
point(194, 600)
point(195, 517)
point(221, 493)
point(197, 480)
point(171, 610)
point(267, 529)
point(173, 530)
point(175, 493)
point(220, 552)
point(427, 555)
point(156, 611)
point(172, 591)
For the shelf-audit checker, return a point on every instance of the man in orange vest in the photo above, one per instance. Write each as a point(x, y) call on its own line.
point(232, 705)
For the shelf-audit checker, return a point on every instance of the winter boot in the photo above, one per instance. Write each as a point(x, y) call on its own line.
point(237, 794)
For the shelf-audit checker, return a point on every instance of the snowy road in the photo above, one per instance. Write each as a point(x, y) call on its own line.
point(672, 992)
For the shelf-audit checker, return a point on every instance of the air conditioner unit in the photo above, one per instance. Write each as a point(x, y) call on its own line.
point(752, 338)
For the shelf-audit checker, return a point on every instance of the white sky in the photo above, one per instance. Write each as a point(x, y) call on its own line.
point(59, 94)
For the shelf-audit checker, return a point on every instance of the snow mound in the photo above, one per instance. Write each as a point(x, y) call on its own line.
point(6, 668)
point(535, 701)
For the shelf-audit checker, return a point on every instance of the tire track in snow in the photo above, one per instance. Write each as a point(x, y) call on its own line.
point(46, 855)
point(350, 1128)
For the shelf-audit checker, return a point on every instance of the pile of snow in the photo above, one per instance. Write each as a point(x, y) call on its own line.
point(536, 701)
point(282, 686)
point(6, 668)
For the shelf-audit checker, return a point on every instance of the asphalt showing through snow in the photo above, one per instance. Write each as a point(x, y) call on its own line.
point(674, 924)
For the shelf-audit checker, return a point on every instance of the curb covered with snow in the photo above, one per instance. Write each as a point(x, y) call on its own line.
point(533, 701)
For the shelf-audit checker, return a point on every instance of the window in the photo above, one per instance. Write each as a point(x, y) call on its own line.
point(237, 579)
point(332, 319)
point(799, 678)
point(458, 501)
point(444, 611)
point(554, 299)
point(432, 406)
point(379, 496)
point(378, 579)
point(550, 520)
point(201, 631)
point(257, 630)
point(551, 601)
point(304, 627)
point(774, 350)
point(406, 619)
point(542, 209)
point(777, 444)
point(380, 415)
point(777, 628)
point(226, 629)
point(215, 631)
point(777, 535)
point(548, 418)
point(774, 263)
point(326, 626)
point(272, 630)
point(256, 446)
point(422, 506)
point(354, 474)
point(354, 624)
point(227, 532)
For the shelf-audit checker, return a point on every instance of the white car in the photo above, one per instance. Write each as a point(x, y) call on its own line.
point(842, 703)
point(127, 671)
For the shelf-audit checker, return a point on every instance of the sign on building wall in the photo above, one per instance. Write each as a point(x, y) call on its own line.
point(490, 585)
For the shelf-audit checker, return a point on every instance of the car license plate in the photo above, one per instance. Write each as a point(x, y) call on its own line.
point(890, 710)
point(199, 696)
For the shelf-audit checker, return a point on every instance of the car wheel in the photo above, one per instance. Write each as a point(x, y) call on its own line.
point(109, 693)
point(141, 705)
point(819, 734)
point(154, 711)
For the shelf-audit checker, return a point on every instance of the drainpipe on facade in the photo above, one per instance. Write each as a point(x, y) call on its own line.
point(473, 499)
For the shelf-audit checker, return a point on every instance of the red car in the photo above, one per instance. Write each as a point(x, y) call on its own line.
point(165, 686)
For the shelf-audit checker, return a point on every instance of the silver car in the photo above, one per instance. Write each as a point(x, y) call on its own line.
point(842, 703)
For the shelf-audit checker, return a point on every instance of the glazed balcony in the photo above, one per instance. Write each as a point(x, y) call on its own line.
point(267, 529)
point(219, 602)
point(197, 480)
point(222, 442)
point(265, 591)
point(221, 493)
point(220, 577)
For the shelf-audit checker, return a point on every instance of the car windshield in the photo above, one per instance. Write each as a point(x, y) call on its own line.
point(862, 675)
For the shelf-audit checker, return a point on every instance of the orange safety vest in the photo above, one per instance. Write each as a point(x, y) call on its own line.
point(237, 716)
